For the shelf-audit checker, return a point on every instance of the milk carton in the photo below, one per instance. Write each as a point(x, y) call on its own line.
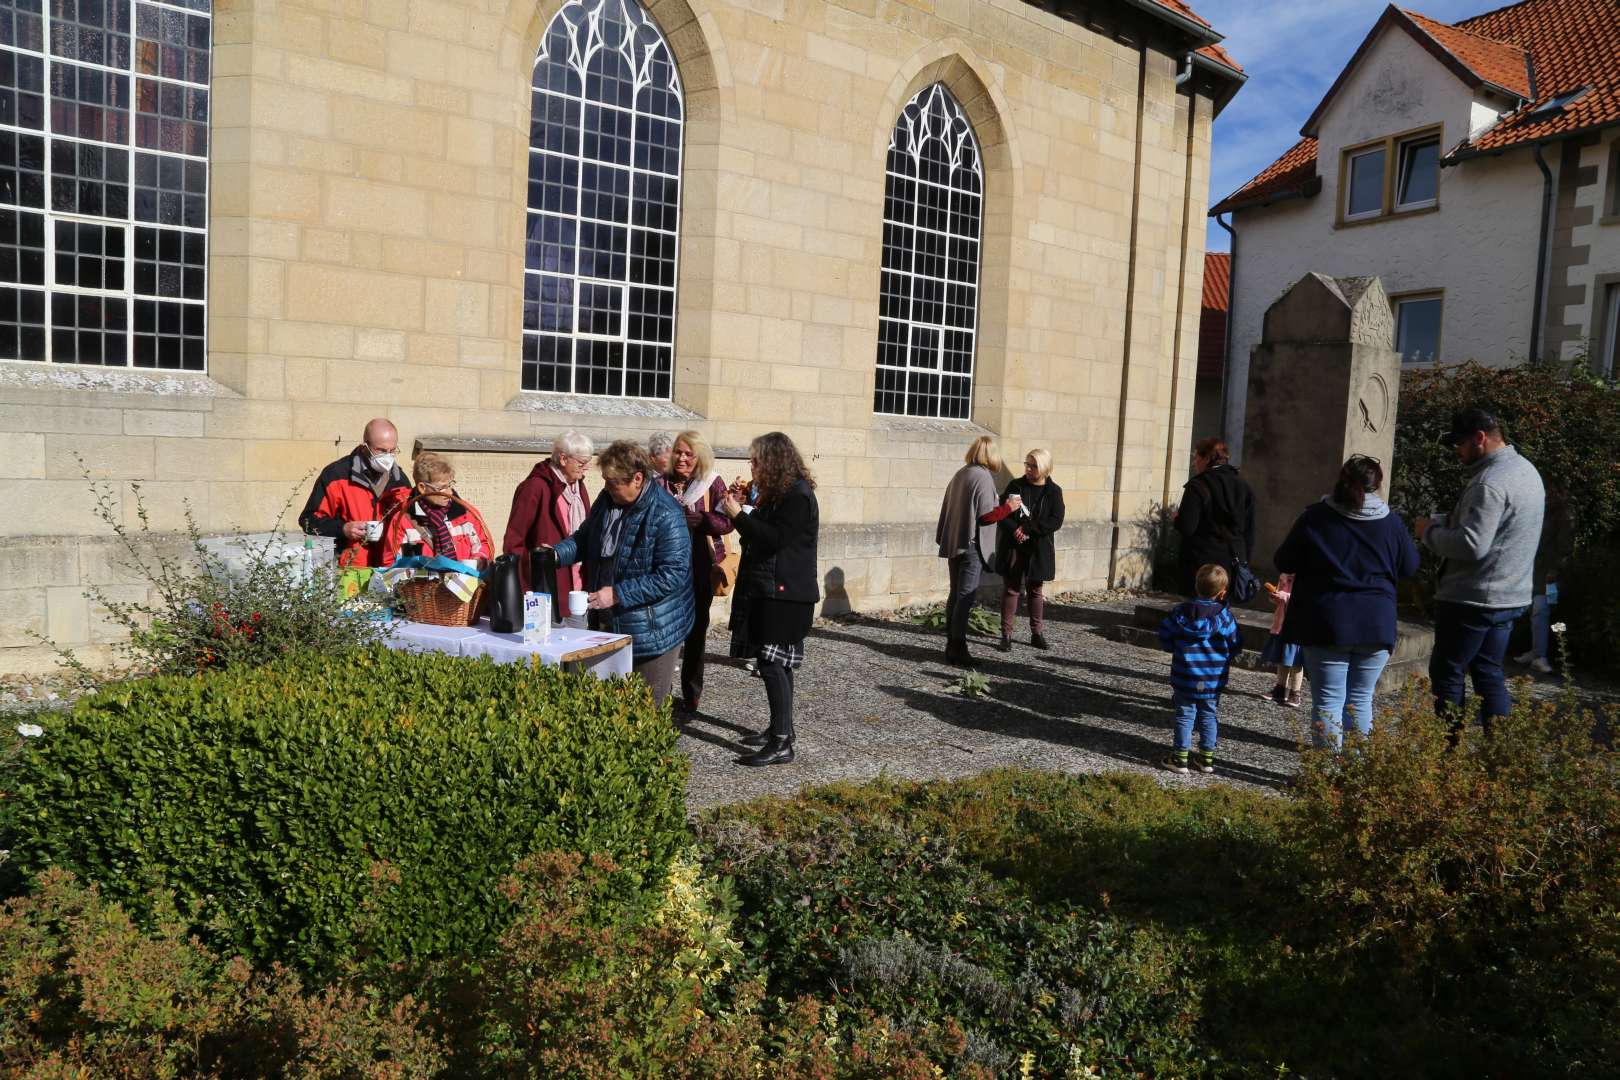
point(536, 617)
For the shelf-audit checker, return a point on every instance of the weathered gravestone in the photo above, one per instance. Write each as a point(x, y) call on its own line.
point(1323, 384)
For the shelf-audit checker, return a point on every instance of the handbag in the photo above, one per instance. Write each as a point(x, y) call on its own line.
point(723, 574)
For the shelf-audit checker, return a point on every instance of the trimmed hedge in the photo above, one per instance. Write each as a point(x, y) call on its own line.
point(323, 809)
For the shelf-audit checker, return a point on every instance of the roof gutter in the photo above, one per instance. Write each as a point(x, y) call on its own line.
point(1456, 157)
point(1206, 35)
point(1305, 191)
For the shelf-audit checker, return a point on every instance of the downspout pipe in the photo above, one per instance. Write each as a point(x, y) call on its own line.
point(1231, 311)
point(1541, 252)
point(1186, 72)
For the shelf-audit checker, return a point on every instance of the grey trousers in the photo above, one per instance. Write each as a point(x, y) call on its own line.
point(965, 571)
point(659, 671)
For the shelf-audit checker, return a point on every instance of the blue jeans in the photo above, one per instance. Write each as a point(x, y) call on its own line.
point(1343, 679)
point(1203, 711)
point(1471, 641)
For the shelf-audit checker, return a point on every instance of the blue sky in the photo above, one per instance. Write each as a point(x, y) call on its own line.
point(1292, 50)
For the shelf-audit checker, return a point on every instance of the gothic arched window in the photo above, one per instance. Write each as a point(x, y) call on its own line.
point(933, 203)
point(604, 205)
point(104, 181)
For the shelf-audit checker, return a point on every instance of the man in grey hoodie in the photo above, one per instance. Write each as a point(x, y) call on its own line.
point(1489, 547)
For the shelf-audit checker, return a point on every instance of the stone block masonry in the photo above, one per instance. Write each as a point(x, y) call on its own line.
point(366, 230)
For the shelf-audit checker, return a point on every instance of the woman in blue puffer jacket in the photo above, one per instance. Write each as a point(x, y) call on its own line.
point(637, 553)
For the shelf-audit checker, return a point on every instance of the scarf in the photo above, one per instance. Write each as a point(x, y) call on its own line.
point(570, 507)
point(438, 520)
point(694, 490)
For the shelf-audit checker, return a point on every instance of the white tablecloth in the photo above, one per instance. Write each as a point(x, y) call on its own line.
point(509, 648)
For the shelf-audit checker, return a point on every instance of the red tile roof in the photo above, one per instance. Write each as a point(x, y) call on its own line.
point(1183, 10)
point(1292, 174)
point(1212, 319)
point(1220, 56)
point(1571, 44)
point(1497, 62)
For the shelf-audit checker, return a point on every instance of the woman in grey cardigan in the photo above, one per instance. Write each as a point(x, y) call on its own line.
point(967, 541)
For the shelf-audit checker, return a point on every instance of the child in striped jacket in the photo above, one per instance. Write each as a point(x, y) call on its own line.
point(1202, 635)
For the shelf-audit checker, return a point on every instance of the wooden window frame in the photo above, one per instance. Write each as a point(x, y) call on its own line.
point(1391, 145)
point(1395, 302)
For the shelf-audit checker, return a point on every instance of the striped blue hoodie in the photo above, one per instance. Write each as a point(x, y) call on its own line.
point(1202, 635)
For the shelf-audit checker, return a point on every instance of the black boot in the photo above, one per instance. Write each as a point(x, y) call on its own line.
point(756, 740)
point(964, 658)
point(1006, 643)
point(1039, 641)
point(775, 752)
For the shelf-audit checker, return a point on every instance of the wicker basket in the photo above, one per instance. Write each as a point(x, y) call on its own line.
point(426, 600)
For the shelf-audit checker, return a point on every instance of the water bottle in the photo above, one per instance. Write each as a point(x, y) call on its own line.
point(308, 566)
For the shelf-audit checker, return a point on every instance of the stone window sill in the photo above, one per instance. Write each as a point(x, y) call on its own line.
point(65, 384)
point(928, 428)
point(607, 407)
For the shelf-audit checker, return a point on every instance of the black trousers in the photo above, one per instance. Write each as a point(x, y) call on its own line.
point(779, 692)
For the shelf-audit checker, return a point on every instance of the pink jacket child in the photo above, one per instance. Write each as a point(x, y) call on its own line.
point(1290, 676)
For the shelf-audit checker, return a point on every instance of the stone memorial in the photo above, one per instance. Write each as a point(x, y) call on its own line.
point(1323, 384)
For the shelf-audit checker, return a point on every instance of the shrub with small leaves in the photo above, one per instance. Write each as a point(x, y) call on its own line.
point(85, 992)
point(204, 617)
point(322, 810)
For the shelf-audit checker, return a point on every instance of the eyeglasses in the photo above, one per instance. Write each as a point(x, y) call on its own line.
point(437, 489)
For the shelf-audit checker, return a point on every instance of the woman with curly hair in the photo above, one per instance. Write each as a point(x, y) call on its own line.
point(776, 582)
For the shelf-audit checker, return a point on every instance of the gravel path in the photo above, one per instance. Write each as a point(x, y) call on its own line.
point(875, 697)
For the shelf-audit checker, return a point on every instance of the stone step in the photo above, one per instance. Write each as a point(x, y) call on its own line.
point(1413, 641)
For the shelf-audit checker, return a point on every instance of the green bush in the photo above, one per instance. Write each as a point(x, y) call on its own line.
point(1566, 423)
point(1481, 884)
point(1412, 911)
point(85, 992)
point(1012, 904)
point(1589, 605)
point(324, 809)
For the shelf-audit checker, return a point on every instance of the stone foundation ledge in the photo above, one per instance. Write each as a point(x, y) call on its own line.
point(864, 568)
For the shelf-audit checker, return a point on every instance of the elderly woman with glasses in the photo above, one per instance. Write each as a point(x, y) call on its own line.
point(436, 517)
point(549, 506)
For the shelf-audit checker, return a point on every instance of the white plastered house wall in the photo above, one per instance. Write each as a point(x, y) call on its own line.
point(1478, 247)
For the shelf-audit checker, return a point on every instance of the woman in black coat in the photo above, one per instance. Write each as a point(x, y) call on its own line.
point(776, 582)
point(1216, 517)
point(1026, 557)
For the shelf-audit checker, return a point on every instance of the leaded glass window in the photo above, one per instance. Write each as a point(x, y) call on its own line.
point(600, 245)
point(928, 311)
point(104, 181)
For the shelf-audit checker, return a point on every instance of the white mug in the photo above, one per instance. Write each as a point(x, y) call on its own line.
point(373, 531)
point(578, 601)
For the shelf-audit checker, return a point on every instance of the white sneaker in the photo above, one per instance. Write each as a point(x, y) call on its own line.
point(1540, 666)
point(1525, 657)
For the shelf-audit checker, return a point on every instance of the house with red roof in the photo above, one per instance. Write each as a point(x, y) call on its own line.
point(1475, 168)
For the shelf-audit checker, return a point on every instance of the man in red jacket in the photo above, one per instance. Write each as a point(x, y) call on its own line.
point(355, 491)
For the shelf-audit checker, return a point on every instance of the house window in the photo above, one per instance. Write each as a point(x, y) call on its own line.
point(1365, 175)
point(1397, 175)
point(1418, 181)
point(1417, 328)
point(928, 309)
point(104, 182)
point(601, 236)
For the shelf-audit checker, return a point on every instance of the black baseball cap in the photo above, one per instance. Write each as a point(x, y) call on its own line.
point(1467, 421)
